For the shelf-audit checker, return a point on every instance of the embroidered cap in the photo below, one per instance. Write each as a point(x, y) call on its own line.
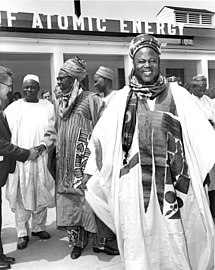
point(31, 77)
point(75, 67)
point(105, 72)
point(144, 40)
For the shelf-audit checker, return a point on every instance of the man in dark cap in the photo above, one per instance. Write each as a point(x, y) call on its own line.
point(76, 114)
point(145, 175)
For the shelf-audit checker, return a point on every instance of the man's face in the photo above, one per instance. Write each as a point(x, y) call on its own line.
point(64, 81)
point(57, 92)
point(146, 65)
point(199, 88)
point(47, 96)
point(30, 90)
point(99, 83)
point(5, 88)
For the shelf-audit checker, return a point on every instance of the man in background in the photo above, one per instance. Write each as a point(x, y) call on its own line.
point(46, 94)
point(207, 105)
point(16, 96)
point(103, 83)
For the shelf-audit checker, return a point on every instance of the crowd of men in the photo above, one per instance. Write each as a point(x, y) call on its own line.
point(134, 166)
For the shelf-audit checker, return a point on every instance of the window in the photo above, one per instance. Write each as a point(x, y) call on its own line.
point(181, 17)
point(121, 78)
point(194, 18)
point(211, 79)
point(206, 20)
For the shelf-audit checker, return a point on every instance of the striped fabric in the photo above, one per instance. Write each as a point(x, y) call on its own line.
point(74, 132)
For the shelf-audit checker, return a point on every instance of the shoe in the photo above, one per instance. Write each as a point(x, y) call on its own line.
point(106, 249)
point(76, 253)
point(5, 259)
point(4, 266)
point(22, 242)
point(41, 234)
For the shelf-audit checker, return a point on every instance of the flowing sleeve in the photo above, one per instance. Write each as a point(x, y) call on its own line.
point(50, 135)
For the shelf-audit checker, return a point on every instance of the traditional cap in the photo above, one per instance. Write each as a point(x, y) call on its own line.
point(75, 67)
point(144, 40)
point(31, 77)
point(199, 78)
point(105, 72)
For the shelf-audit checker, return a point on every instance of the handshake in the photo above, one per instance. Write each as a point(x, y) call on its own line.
point(36, 151)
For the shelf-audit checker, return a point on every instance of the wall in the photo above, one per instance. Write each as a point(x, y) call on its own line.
point(189, 67)
point(22, 64)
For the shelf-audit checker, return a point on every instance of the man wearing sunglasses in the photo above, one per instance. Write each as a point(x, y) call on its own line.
point(9, 152)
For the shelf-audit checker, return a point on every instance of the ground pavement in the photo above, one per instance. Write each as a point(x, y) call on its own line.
point(52, 254)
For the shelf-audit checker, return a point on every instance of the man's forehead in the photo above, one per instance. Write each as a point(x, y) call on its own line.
point(30, 81)
point(199, 82)
point(199, 79)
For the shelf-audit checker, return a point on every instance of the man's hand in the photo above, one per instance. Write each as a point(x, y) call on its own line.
point(40, 148)
point(85, 179)
point(33, 154)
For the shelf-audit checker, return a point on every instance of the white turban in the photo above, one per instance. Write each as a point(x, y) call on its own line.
point(31, 77)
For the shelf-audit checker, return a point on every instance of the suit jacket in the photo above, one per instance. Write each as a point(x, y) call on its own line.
point(9, 153)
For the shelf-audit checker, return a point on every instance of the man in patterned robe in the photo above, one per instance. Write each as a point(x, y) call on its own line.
point(76, 114)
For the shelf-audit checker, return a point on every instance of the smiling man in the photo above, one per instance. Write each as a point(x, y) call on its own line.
point(150, 153)
point(9, 152)
point(30, 189)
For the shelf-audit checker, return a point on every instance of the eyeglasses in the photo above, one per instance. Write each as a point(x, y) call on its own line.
point(61, 78)
point(8, 85)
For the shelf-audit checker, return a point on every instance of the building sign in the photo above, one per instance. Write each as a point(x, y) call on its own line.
point(59, 22)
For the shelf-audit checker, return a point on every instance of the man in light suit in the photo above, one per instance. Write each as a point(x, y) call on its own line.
point(9, 153)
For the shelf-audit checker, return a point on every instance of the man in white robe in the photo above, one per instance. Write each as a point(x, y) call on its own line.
point(150, 153)
point(31, 188)
point(207, 106)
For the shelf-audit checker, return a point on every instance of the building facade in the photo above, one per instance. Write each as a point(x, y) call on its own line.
point(40, 43)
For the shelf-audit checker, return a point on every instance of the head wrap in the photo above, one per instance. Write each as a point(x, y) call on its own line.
point(75, 67)
point(199, 79)
point(144, 40)
point(105, 72)
point(31, 77)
